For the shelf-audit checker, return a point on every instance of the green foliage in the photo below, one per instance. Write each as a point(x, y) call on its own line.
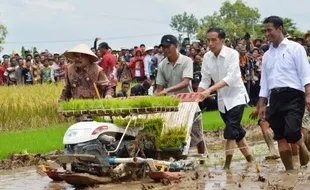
point(235, 18)
point(3, 33)
point(151, 125)
point(23, 50)
point(141, 102)
point(185, 23)
point(173, 138)
point(34, 51)
point(33, 140)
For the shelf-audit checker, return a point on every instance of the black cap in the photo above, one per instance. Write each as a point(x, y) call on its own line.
point(104, 45)
point(168, 40)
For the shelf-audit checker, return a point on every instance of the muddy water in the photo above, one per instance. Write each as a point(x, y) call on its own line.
point(209, 176)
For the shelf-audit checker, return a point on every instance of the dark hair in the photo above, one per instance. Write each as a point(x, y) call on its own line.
point(275, 20)
point(219, 31)
point(142, 45)
point(125, 82)
point(28, 60)
point(195, 81)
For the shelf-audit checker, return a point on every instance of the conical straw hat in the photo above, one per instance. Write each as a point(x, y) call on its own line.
point(82, 48)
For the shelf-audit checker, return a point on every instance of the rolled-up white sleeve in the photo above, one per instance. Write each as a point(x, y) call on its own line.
point(233, 72)
point(302, 65)
point(264, 91)
point(205, 74)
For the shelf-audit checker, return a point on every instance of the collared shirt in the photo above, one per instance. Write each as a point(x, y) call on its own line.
point(224, 67)
point(80, 83)
point(169, 74)
point(284, 66)
point(148, 65)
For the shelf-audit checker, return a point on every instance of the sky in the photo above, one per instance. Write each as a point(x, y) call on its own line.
point(58, 25)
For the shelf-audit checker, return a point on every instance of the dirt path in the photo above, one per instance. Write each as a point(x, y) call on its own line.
point(209, 176)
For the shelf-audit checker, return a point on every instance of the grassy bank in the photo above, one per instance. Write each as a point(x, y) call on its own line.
point(32, 140)
point(212, 120)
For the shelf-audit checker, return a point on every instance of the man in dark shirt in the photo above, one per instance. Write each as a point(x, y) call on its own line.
point(27, 73)
point(197, 66)
point(125, 88)
point(141, 89)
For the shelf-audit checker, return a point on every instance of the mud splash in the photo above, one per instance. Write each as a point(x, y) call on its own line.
point(24, 160)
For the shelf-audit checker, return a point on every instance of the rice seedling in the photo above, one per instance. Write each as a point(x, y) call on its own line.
point(173, 138)
point(141, 102)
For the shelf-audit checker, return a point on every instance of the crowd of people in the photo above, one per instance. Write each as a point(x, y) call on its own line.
point(138, 64)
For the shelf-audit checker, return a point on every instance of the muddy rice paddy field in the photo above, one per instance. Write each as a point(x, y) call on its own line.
point(20, 171)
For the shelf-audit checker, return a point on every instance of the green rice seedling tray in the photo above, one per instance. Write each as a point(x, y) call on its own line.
point(120, 111)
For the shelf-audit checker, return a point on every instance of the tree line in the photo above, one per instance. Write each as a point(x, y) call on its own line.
point(236, 19)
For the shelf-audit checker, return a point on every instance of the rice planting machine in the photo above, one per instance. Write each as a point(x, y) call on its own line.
point(102, 152)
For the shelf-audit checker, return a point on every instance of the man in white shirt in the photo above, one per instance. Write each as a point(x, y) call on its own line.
point(222, 65)
point(285, 77)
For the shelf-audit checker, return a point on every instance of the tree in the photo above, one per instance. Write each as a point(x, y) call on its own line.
point(34, 51)
point(184, 23)
point(290, 27)
point(3, 33)
point(23, 50)
point(236, 19)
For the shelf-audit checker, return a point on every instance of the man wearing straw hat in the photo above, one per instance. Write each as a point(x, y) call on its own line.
point(84, 76)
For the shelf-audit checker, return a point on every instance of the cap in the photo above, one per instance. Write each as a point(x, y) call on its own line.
point(168, 39)
point(6, 55)
point(104, 45)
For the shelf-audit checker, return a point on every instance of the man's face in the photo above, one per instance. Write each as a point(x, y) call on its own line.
point(308, 42)
point(242, 52)
point(45, 63)
point(160, 50)
point(143, 48)
point(202, 51)
point(195, 45)
point(125, 87)
point(271, 32)
point(13, 62)
point(28, 64)
point(61, 60)
point(215, 43)
point(42, 58)
point(188, 47)
point(20, 62)
point(102, 51)
point(170, 50)
point(193, 51)
point(81, 60)
point(198, 59)
point(6, 61)
point(37, 59)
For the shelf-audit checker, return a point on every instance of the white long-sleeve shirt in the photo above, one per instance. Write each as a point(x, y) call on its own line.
point(148, 65)
point(284, 66)
point(224, 67)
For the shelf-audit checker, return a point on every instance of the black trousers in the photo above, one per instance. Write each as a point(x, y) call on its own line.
point(287, 108)
point(232, 119)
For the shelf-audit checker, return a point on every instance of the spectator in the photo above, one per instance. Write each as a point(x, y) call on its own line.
point(124, 90)
point(141, 89)
point(137, 66)
point(46, 73)
point(27, 73)
point(18, 72)
point(148, 63)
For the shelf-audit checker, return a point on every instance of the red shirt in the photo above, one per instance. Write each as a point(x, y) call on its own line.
point(108, 63)
point(2, 70)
